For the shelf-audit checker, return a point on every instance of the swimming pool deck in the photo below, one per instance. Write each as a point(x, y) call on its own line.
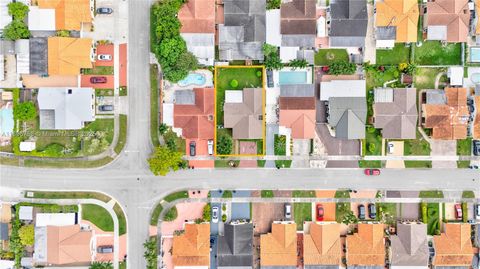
point(170, 88)
point(308, 70)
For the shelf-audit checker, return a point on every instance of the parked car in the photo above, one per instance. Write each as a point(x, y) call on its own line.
point(390, 148)
point(105, 108)
point(458, 211)
point(473, 166)
point(288, 211)
point(104, 10)
point(320, 212)
point(372, 211)
point(104, 57)
point(210, 147)
point(476, 147)
point(215, 214)
point(97, 80)
point(372, 172)
point(193, 148)
point(105, 249)
point(477, 211)
point(361, 212)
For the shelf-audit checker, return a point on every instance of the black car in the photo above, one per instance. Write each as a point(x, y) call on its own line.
point(372, 211)
point(105, 108)
point(192, 148)
point(476, 147)
point(361, 212)
point(104, 10)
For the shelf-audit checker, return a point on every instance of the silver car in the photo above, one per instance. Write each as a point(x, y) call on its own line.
point(215, 214)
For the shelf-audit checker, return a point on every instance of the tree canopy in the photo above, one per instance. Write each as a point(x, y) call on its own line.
point(342, 68)
point(24, 111)
point(17, 29)
point(18, 10)
point(164, 159)
point(272, 58)
point(224, 145)
point(27, 235)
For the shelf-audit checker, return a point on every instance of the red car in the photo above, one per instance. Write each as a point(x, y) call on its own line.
point(458, 211)
point(96, 80)
point(372, 172)
point(320, 212)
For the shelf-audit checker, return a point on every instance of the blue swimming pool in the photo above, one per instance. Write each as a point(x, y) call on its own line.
point(6, 122)
point(193, 79)
point(475, 54)
point(292, 77)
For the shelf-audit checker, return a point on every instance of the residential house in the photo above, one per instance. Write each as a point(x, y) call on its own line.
point(322, 247)
point(366, 247)
point(446, 113)
point(62, 246)
point(279, 248)
point(348, 23)
point(25, 213)
point(395, 112)
point(235, 246)
point(299, 115)
point(198, 29)
point(243, 112)
point(409, 246)
point(396, 21)
point(67, 55)
point(453, 247)
point(242, 35)
point(447, 20)
point(65, 108)
point(73, 15)
point(346, 106)
point(38, 56)
point(191, 249)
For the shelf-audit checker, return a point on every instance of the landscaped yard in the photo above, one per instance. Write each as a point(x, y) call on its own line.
point(246, 78)
point(302, 212)
point(328, 56)
point(418, 164)
point(387, 212)
point(399, 54)
point(341, 208)
point(377, 78)
point(425, 77)
point(176, 195)
point(434, 53)
point(373, 139)
point(433, 218)
point(98, 216)
point(280, 145)
point(174, 142)
point(418, 146)
point(464, 147)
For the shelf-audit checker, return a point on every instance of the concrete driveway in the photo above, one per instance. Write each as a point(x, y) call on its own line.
point(397, 151)
point(301, 147)
point(272, 130)
point(104, 23)
point(410, 211)
point(443, 148)
point(336, 146)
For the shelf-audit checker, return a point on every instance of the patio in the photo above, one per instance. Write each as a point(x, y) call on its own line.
point(186, 212)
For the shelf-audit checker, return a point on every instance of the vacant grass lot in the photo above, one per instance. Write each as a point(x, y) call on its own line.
point(98, 216)
point(399, 54)
point(434, 53)
point(328, 56)
point(425, 77)
point(302, 212)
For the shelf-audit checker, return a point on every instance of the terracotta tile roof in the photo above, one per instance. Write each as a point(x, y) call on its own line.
point(299, 114)
point(68, 245)
point(196, 120)
point(197, 16)
point(279, 248)
point(67, 55)
point(403, 14)
point(322, 246)
point(476, 123)
point(69, 14)
point(453, 247)
point(193, 247)
point(454, 14)
point(448, 121)
point(367, 247)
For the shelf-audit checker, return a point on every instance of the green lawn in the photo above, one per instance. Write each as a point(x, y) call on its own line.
point(261, 163)
point(369, 164)
point(122, 135)
point(431, 194)
point(176, 195)
point(123, 91)
point(122, 221)
point(433, 53)
point(174, 142)
point(425, 77)
point(341, 208)
point(377, 79)
point(464, 147)
point(399, 54)
point(51, 208)
point(302, 212)
point(68, 195)
point(98, 216)
point(303, 194)
point(387, 212)
point(418, 146)
point(418, 164)
point(154, 117)
point(224, 163)
point(463, 164)
point(66, 164)
point(266, 194)
point(283, 163)
point(433, 218)
point(156, 214)
point(373, 137)
point(280, 145)
point(468, 195)
point(328, 56)
point(98, 70)
point(227, 194)
point(246, 77)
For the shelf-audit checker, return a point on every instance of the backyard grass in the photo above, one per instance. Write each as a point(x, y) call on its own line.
point(175, 142)
point(373, 138)
point(283, 163)
point(98, 216)
point(266, 194)
point(369, 164)
point(468, 195)
point(156, 214)
point(154, 105)
point(376, 78)
point(303, 194)
point(328, 56)
point(302, 212)
point(176, 195)
point(425, 77)
point(418, 146)
point(68, 195)
point(122, 135)
point(246, 78)
point(399, 54)
point(464, 147)
point(280, 145)
point(433, 218)
point(431, 194)
point(418, 164)
point(463, 164)
point(434, 53)
point(387, 212)
point(66, 164)
point(99, 70)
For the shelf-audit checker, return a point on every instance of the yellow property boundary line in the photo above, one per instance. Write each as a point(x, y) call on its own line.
point(263, 109)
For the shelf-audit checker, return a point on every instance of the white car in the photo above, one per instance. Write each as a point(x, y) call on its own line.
point(104, 57)
point(390, 148)
point(210, 147)
point(215, 214)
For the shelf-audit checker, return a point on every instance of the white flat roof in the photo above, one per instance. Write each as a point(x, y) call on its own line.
point(54, 219)
point(41, 19)
point(288, 53)
point(5, 18)
point(456, 75)
point(167, 117)
point(25, 213)
point(4, 264)
point(385, 43)
point(272, 24)
point(342, 88)
point(27, 146)
point(233, 96)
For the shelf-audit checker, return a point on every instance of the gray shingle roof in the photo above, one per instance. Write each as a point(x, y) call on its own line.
point(235, 246)
point(349, 21)
point(409, 246)
point(348, 116)
point(297, 90)
point(304, 41)
point(3, 231)
point(386, 33)
point(38, 56)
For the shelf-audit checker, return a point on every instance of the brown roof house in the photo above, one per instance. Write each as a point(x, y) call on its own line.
point(62, 246)
point(243, 112)
point(453, 248)
point(395, 112)
point(279, 248)
point(321, 246)
point(298, 23)
point(367, 247)
point(192, 248)
point(409, 246)
point(447, 20)
point(299, 115)
point(446, 112)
